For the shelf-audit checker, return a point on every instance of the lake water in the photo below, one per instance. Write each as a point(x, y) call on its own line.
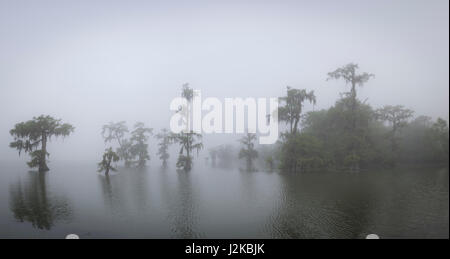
point(221, 203)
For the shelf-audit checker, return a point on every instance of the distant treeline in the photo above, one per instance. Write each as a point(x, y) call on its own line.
point(325, 143)
point(350, 135)
point(326, 140)
point(353, 135)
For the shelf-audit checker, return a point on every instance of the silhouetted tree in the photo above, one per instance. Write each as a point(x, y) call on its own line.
point(106, 164)
point(188, 93)
point(291, 113)
point(301, 152)
point(139, 147)
point(293, 106)
point(164, 143)
point(116, 132)
point(29, 135)
point(188, 142)
point(349, 74)
point(397, 116)
point(188, 139)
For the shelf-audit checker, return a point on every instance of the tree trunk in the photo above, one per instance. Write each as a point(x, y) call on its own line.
point(188, 158)
point(42, 160)
point(108, 166)
point(294, 130)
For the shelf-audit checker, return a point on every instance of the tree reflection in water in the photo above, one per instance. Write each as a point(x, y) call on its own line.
point(31, 202)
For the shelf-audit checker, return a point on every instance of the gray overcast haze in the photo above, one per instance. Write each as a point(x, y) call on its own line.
point(91, 62)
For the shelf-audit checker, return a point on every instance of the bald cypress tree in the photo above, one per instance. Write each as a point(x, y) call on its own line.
point(165, 141)
point(248, 151)
point(350, 76)
point(188, 143)
point(397, 116)
point(108, 158)
point(32, 137)
point(139, 140)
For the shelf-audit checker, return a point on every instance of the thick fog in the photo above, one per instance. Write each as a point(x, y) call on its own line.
point(92, 62)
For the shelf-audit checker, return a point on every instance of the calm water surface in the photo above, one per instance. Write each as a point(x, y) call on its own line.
point(221, 203)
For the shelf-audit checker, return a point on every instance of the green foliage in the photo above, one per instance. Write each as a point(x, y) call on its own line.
point(338, 138)
point(106, 164)
point(189, 142)
point(36, 158)
point(124, 152)
point(293, 106)
point(133, 150)
point(329, 140)
point(114, 131)
point(301, 152)
point(439, 137)
point(425, 141)
point(29, 135)
point(349, 75)
point(349, 145)
point(357, 131)
point(397, 116)
point(139, 146)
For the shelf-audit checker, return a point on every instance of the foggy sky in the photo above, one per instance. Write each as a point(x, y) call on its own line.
point(91, 62)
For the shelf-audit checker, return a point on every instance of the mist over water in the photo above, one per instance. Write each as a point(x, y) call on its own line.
point(90, 63)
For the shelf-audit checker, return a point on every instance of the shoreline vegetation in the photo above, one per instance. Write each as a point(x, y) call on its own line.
point(350, 136)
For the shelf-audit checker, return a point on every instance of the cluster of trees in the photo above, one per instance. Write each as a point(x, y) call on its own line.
point(132, 147)
point(352, 135)
point(349, 135)
point(134, 150)
point(425, 141)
